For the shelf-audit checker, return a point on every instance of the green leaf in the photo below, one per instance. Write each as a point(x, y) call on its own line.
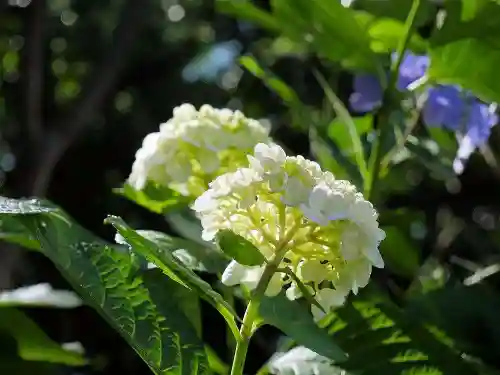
point(349, 125)
point(246, 10)
point(157, 199)
point(108, 280)
point(381, 339)
point(193, 255)
point(385, 34)
point(336, 33)
point(470, 8)
point(189, 302)
point(397, 9)
point(297, 322)
point(449, 307)
point(285, 92)
point(174, 269)
point(459, 42)
point(215, 363)
point(399, 252)
point(32, 343)
point(11, 231)
point(177, 298)
point(340, 134)
point(12, 363)
point(40, 295)
point(239, 248)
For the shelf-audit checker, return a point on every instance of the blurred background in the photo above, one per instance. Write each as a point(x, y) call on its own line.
point(83, 81)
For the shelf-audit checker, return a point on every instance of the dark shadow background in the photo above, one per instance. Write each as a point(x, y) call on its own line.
point(83, 81)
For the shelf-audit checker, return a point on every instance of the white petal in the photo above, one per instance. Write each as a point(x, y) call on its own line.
point(233, 274)
point(361, 272)
point(374, 256)
point(252, 276)
point(330, 298)
point(293, 292)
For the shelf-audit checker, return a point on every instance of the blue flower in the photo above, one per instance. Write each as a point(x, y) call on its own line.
point(367, 93)
point(412, 67)
point(481, 118)
point(446, 106)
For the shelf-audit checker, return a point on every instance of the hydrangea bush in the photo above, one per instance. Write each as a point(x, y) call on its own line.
point(304, 244)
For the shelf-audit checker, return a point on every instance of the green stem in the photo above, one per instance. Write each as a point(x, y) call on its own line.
point(382, 118)
point(249, 324)
point(251, 314)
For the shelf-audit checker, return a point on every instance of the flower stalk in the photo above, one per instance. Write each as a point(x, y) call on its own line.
point(248, 326)
point(382, 118)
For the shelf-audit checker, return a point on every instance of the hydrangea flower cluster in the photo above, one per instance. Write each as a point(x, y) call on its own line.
point(446, 106)
point(321, 228)
point(194, 147)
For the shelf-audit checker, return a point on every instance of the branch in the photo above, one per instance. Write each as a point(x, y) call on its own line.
point(34, 71)
point(104, 79)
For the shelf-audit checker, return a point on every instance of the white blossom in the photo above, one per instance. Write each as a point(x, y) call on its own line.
point(194, 147)
point(323, 228)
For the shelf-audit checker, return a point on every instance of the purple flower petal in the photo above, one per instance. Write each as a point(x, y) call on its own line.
point(479, 123)
point(480, 120)
point(412, 67)
point(444, 107)
point(367, 93)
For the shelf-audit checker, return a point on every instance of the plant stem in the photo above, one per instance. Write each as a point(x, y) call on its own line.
point(383, 116)
point(251, 314)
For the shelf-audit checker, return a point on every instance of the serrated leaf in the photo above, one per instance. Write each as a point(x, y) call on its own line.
point(239, 248)
point(157, 199)
point(183, 298)
point(191, 254)
point(382, 339)
point(189, 302)
point(297, 322)
point(108, 279)
point(40, 295)
point(174, 269)
point(32, 343)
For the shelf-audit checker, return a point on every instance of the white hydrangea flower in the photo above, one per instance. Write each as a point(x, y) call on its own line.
point(325, 230)
point(194, 147)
